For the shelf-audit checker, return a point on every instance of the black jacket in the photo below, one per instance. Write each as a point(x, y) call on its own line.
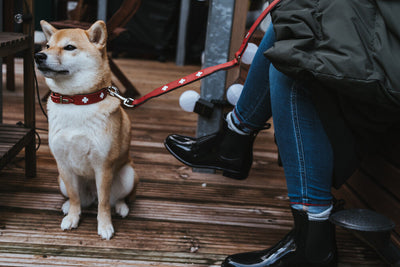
point(349, 53)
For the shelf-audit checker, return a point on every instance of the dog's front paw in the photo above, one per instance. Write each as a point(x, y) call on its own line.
point(122, 209)
point(65, 207)
point(105, 230)
point(69, 222)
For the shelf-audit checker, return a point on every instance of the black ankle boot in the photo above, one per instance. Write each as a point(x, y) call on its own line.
point(225, 150)
point(310, 243)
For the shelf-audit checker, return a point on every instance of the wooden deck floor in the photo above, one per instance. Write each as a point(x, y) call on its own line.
point(180, 218)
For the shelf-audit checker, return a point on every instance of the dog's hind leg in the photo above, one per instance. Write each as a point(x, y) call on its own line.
point(123, 185)
point(87, 193)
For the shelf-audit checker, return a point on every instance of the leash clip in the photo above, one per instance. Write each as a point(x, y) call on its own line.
point(127, 102)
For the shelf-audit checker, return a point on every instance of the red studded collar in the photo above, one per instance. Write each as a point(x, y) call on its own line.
point(84, 99)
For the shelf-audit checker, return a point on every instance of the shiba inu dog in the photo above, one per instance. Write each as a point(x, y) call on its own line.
point(89, 132)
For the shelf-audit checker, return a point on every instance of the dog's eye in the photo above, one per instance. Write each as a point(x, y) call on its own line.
point(47, 46)
point(69, 47)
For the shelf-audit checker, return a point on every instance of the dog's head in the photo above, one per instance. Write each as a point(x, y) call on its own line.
point(73, 53)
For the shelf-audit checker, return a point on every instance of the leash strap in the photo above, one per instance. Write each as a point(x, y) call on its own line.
point(183, 81)
point(204, 72)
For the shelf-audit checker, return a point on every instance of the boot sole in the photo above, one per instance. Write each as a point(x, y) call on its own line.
point(225, 172)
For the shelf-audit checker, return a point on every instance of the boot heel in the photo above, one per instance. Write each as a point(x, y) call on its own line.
point(234, 175)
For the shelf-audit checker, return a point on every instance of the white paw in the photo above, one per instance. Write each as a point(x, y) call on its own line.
point(122, 209)
point(65, 207)
point(69, 222)
point(106, 231)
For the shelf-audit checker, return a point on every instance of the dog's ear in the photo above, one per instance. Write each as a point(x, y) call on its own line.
point(98, 34)
point(48, 30)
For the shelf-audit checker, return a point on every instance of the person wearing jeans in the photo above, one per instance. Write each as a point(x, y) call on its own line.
point(305, 151)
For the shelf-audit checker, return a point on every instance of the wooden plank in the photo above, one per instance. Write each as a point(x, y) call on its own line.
point(182, 175)
point(185, 190)
point(166, 209)
point(72, 255)
point(144, 240)
point(13, 259)
point(131, 233)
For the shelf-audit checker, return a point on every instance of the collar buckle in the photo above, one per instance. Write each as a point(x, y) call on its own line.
point(64, 100)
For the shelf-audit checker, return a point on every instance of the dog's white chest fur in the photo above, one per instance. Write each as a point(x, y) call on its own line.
point(78, 137)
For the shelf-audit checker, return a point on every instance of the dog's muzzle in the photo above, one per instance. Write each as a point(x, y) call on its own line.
point(40, 59)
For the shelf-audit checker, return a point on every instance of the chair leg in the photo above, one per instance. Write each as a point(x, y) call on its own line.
point(8, 26)
point(30, 156)
point(131, 90)
point(29, 112)
point(10, 80)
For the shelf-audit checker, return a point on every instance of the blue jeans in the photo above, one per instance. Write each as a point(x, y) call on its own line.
point(304, 147)
point(253, 108)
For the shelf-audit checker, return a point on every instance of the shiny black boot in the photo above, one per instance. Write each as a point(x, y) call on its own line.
point(310, 243)
point(225, 150)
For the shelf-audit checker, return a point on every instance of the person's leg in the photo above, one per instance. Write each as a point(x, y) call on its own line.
point(307, 160)
point(253, 108)
point(305, 149)
point(231, 149)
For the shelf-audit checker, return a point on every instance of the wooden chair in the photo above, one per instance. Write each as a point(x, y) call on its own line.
point(9, 60)
point(115, 26)
point(15, 137)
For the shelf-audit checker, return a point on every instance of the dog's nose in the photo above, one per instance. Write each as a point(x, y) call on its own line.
point(40, 57)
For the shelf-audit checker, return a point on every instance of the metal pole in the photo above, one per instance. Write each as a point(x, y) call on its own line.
point(102, 10)
point(183, 21)
point(217, 47)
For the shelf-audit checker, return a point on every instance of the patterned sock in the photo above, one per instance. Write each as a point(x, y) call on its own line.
point(315, 213)
point(232, 126)
point(321, 216)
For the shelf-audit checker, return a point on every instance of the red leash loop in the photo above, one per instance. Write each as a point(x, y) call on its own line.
point(207, 71)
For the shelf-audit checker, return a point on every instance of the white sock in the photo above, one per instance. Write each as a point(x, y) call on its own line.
point(322, 216)
point(232, 125)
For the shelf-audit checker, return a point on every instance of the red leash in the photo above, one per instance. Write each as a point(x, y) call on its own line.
point(204, 72)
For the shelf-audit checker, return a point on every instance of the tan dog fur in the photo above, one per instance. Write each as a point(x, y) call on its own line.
point(90, 143)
